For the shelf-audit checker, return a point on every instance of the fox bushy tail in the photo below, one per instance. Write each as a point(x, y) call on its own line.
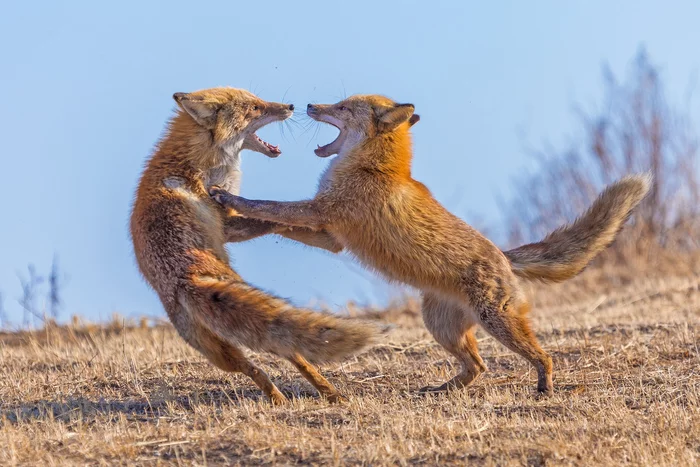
point(567, 251)
point(241, 314)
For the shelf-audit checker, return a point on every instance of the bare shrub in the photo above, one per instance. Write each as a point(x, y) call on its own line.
point(635, 130)
point(55, 284)
point(30, 290)
point(32, 285)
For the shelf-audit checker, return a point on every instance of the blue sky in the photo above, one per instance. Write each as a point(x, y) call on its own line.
point(87, 89)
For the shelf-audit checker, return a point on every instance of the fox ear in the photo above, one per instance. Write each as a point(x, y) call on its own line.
point(395, 116)
point(203, 113)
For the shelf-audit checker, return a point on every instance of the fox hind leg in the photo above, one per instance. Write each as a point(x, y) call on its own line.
point(324, 387)
point(510, 326)
point(230, 358)
point(453, 327)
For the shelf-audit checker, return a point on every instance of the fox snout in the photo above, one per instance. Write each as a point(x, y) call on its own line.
point(283, 110)
point(325, 113)
point(314, 109)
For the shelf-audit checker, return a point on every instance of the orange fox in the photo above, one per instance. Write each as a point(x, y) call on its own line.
point(179, 235)
point(368, 201)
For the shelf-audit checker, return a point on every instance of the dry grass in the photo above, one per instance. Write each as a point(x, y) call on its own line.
point(627, 384)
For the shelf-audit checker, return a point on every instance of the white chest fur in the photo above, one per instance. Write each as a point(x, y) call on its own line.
point(352, 139)
point(228, 174)
point(226, 177)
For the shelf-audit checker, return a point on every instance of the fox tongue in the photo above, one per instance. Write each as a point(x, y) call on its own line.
point(272, 148)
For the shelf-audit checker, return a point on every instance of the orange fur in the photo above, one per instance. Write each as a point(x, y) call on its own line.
point(179, 235)
point(370, 203)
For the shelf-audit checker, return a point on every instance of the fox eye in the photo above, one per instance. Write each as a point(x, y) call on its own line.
point(342, 107)
point(255, 107)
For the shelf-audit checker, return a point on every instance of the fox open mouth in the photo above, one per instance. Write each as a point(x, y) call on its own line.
point(334, 146)
point(257, 144)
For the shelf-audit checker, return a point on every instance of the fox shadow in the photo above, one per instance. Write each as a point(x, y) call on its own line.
point(149, 408)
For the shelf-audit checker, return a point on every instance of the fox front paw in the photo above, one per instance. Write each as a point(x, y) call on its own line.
point(223, 197)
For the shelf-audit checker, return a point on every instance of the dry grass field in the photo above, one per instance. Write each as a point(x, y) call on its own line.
point(627, 391)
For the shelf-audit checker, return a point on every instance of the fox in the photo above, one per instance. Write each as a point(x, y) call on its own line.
point(369, 202)
point(179, 235)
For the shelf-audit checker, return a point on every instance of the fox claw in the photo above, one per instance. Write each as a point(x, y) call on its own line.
point(220, 195)
point(214, 190)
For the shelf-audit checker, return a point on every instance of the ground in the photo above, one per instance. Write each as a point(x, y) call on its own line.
point(627, 391)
